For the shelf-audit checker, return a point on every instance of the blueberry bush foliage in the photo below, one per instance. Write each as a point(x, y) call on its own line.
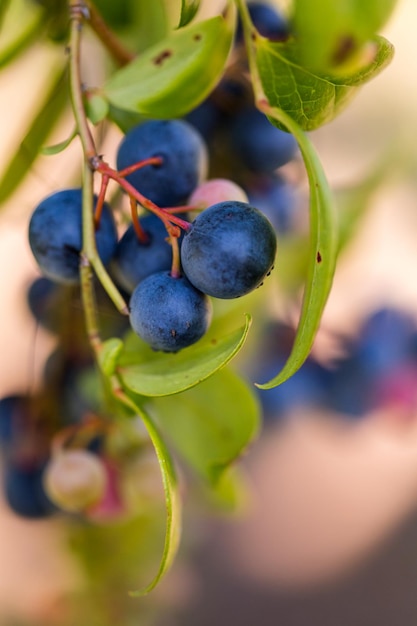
point(171, 233)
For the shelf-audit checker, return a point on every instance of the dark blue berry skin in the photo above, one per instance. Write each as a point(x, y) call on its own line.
point(206, 118)
point(229, 250)
point(169, 313)
point(45, 299)
point(55, 235)
point(267, 20)
point(260, 146)
point(12, 410)
point(184, 157)
point(277, 199)
point(384, 340)
point(306, 388)
point(24, 491)
point(134, 260)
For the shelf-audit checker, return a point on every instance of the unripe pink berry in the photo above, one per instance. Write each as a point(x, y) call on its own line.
point(75, 480)
point(216, 190)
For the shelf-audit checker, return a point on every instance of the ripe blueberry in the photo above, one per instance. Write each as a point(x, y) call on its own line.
point(261, 146)
point(134, 260)
point(184, 160)
point(55, 235)
point(229, 250)
point(169, 313)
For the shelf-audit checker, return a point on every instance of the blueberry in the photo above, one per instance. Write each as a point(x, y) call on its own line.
point(134, 260)
point(349, 388)
point(24, 490)
point(384, 340)
point(12, 412)
point(169, 313)
point(261, 146)
point(184, 160)
point(55, 235)
point(47, 302)
point(205, 118)
point(229, 250)
point(306, 388)
point(267, 20)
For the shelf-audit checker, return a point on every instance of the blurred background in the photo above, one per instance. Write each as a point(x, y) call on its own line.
point(327, 533)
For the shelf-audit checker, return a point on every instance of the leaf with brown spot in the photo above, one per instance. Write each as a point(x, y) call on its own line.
point(174, 76)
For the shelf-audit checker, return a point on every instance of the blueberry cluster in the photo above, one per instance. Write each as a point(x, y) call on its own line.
point(206, 203)
point(166, 264)
point(225, 252)
point(377, 370)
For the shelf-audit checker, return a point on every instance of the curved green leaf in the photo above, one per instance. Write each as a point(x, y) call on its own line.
point(53, 104)
point(189, 9)
point(322, 253)
point(211, 424)
point(334, 36)
point(32, 29)
point(151, 373)
point(96, 107)
point(172, 498)
point(109, 355)
point(311, 99)
point(172, 77)
point(59, 147)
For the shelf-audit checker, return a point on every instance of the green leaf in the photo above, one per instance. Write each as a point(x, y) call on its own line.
point(125, 120)
point(49, 110)
point(311, 99)
point(189, 9)
point(3, 9)
point(59, 147)
point(172, 497)
point(149, 23)
point(322, 251)
point(33, 28)
point(150, 373)
point(109, 355)
point(97, 108)
point(174, 76)
point(230, 493)
point(211, 424)
point(335, 35)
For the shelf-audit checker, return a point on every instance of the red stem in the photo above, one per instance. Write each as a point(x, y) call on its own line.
point(176, 263)
point(139, 165)
point(100, 200)
point(167, 218)
point(141, 234)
